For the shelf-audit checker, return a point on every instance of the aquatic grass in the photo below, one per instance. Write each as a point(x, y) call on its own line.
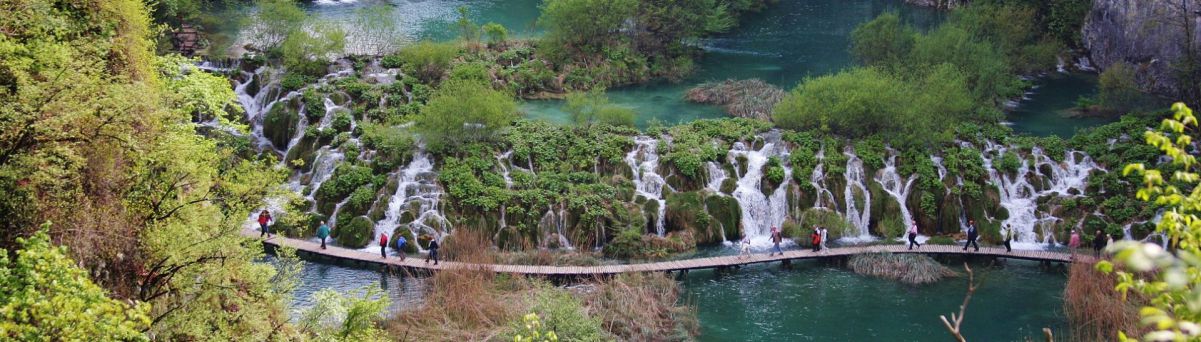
point(641, 307)
point(1095, 310)
point(751, 98)
point(907, 268)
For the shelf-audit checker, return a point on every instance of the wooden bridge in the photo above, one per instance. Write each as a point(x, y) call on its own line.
point(418, 263)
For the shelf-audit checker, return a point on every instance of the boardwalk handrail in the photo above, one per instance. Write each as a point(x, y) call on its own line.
point(672, 265)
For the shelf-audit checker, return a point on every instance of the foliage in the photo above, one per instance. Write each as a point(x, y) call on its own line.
point(532, 331)
point(592, 107)
point(307, 50)
point(427, 60)
point(464, 111)
point(275, 21)
point(1117, 89)
point(45, 297)
point(1167, 280)
point(346, 179)
point(392, 145)
point(883, 41)
point(356, 233)
point(565, 317)
point(203, 95)
point(582, 27)
point(350, 317)
point(468, 30)
point(378, 30)
point(496, 33)
point(867, 101)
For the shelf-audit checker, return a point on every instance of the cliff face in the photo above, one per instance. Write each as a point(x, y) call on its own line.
point(1148, 34)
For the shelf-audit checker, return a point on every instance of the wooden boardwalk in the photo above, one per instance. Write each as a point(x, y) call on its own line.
point(416, 263)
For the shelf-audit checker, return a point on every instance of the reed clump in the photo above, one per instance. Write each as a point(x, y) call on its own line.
point(642, 307)
point(907, 268)
point(751, 98)
point(1095, 310)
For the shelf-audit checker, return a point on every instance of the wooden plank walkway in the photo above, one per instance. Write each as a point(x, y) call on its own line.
point(417, 263)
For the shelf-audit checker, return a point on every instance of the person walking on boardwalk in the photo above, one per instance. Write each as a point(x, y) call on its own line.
point(400, 246)
point(817, 239)
point(433, 251)
point(322, 233)
point(776, 238)
point(823, 232)
point(1074, 240)
point(972, 234)
point(1099, 241)
point(383, 245)
point(913, 236)
point(1007, 236)
point(264, 220)
point(745, 250)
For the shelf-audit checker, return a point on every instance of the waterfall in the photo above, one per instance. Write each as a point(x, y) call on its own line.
point(857, 180)
point(555, 222)
point(417, 189)
point(1019, 196)
point(644, 164)
point(503, 160)
point(267, 94)
point(717, 175)
point(824, 197)
point(761, 212)
point(890, 181)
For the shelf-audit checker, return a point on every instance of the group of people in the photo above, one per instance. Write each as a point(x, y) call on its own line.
point(818, 238)
point(323, 232)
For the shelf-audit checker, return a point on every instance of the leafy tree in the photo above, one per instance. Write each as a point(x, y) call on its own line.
point(45, 297)
point(583, 27)
point(275, 21)
point(468, 30)
point(464, 111)
point(307, 51)
point(1169, 280)
point(663, 26)
point(203, 95)
point(592, 107)
point(882, 41)
point(338, 317)
point(428, 60)
point(377, 30)
point(496, 33)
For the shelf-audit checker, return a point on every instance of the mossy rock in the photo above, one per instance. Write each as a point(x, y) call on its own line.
point(728, 185)
point(304, 151)
point(686, 212)
point(651, 211)
point(410, 241)
point(357, 233)
point(727, 215)
point(948, 215)
point(836, 225)
point(279, 126)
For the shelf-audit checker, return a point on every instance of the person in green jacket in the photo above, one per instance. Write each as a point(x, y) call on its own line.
point(322, 233)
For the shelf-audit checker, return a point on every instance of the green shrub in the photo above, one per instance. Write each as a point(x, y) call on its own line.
point(355, 234)
point(342, 122)
point(293, 81)
point(314, 105)
point(346, 179)
point(428, 60)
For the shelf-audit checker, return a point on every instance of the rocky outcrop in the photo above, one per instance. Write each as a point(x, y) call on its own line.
point(1148, 34)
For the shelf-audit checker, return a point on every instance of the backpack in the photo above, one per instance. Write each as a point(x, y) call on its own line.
point(383, 240)
point(400, 242)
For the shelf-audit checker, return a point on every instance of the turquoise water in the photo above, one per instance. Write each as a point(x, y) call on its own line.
point(811, 302)
point(435, 19)
point(820, 303)
point(1047, 107)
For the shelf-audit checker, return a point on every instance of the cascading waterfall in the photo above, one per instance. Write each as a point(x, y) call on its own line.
point(717, 176)
point(417, 190)
point(1019, 196)
point(857, 182)
point(644, 164)
point(892, 184)
point(817, 179)
point(503, 160)
point(761, 212)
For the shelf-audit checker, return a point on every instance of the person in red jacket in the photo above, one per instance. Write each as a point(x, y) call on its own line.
point(817, 239)
point(264, 219)
point(383, 245)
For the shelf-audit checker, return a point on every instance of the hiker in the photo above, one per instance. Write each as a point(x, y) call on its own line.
point(972, 234)
point(913, 237)
point(322, 233)
point(823, 237)
point(1099, 241)
point(400, 246)
point(383, 245)
point(264, 219)
point(1109, 242)
point(817, 239)
point(776, 238)
point(1007, 236)
point(745, 250)
point(1074, 240)
point(433, 252)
